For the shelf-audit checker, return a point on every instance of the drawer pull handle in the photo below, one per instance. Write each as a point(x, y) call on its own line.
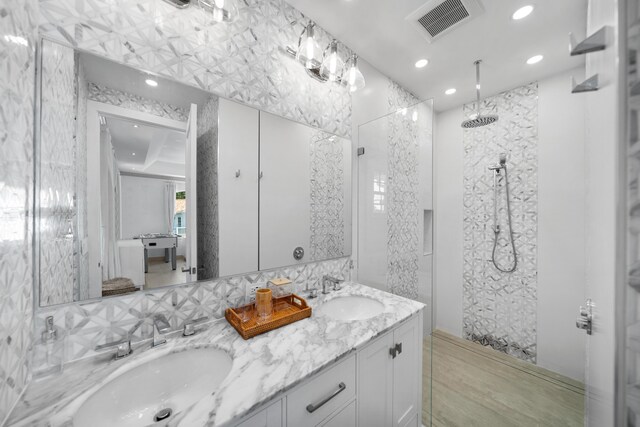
point(311, 408)
point(398, 348)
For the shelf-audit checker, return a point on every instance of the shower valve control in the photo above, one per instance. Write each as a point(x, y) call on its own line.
point(585, 317)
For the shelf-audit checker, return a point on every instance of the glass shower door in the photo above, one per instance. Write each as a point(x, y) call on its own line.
point(395, 213)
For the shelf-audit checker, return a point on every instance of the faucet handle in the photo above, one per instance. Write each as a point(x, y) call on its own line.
point(122, 347)
point(189, 327)
point(50, 332)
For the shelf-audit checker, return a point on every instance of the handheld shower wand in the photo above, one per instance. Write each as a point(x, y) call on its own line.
point(502, 165)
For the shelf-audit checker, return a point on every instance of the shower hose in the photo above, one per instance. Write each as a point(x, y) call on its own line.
point(496, 227)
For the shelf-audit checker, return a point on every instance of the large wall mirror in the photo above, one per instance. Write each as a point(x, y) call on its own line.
point(143, 182)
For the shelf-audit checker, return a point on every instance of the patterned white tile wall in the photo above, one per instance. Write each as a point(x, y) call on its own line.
point(403, 213)
point(83, 326)
point(56, 158)
point(81, 264)
point(107, 95)
point(327, 196)
point(241, 60)
point(499, 309)
point(17, 62)
point(207, 183)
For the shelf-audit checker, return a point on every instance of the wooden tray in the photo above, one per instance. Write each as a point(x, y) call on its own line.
point(286, 310)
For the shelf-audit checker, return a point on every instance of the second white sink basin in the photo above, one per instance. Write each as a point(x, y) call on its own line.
point(161, 387)
point(351, 308)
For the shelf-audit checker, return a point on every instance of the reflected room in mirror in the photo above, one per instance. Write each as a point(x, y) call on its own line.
point(144, 182)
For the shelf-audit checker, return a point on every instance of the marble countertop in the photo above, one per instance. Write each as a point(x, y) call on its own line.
point(263, 367)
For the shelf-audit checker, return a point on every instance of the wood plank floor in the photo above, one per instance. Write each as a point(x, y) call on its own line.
point(478, 386)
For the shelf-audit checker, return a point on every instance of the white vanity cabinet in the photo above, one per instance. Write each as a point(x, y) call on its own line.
point(378, 386)
point(389, 378)
point(269, 417)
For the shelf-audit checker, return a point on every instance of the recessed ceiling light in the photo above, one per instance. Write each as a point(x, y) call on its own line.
point(421, 63)
point(450, 91)
point(135, 126)
point(523, 12)
point(534, 59)
point(133, 154)
point(151, 82)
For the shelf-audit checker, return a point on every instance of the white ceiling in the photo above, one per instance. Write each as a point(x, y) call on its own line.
point(158, 151)
point(117, 76)
point(378, 32)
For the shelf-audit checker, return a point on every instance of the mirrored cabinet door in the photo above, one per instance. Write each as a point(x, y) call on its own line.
point(305, 193)
point(238, 187)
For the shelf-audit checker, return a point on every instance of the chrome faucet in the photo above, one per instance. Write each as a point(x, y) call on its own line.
point(160, 326)
point(327, 280)
point(122, 348)
point(189, 327)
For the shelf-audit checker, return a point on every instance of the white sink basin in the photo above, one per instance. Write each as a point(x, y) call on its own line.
point(174, 382)
point(351, 308)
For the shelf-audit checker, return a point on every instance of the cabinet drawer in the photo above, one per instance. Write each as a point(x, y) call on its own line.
point(314, 401)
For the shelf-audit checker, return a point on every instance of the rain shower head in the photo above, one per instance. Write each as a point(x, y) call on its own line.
point(479, 120)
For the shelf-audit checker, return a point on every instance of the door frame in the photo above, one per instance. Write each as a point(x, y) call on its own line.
point(94, 110)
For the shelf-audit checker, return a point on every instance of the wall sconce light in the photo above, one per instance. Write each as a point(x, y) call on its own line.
point(327, 66)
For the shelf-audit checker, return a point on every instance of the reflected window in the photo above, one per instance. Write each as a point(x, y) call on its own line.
point(378, 193)
point(179, 219)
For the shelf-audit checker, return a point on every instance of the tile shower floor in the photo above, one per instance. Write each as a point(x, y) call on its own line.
point(477, 386)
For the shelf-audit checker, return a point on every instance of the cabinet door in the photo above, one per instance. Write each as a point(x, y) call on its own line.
point(285, 191)
point(407, 372)
point(237, 189)
point(344, 418)
point(375, 383)
point(269, 417)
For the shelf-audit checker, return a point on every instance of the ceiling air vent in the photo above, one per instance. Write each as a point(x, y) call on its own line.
point(437, 17)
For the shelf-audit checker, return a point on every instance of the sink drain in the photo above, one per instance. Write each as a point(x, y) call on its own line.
point(162, 414)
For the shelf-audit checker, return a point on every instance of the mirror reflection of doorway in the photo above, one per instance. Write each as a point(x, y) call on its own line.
point(143, 207)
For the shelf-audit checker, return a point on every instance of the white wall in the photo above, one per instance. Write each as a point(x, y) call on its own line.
point(142, 204)
point(561, 219)
point(447, 251)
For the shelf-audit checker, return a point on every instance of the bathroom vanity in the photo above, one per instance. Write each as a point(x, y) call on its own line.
point(361, 366)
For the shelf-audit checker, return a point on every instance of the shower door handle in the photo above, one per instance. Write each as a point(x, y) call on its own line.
point(585, 317)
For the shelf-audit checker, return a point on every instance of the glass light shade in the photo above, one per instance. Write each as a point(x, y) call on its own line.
point(309, 53)
point(332, 64)
point(352, 77)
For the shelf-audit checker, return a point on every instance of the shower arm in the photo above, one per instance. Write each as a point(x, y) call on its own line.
point(477, 63)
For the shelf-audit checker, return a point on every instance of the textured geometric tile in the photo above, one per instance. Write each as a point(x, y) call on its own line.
point(327, 196)
point(403, 146)
point(84, 325)
point(499, 308)
point(107, 95)
point(56, 163)
point(18, 35)
point(207, 190)
point(240, 60)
